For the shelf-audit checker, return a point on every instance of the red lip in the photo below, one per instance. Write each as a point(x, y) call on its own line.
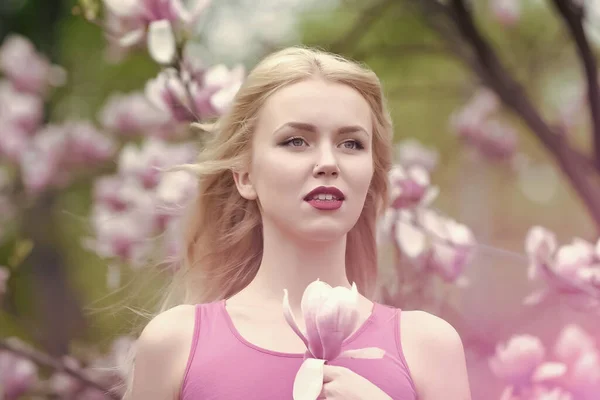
point(332, 190)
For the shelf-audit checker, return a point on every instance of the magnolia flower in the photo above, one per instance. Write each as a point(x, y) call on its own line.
point(474, 125)
point(330, 316)
point(410, 152)
point(573, 343)
point(124, 236)
point(130, 114)
point(507, 12)
point(187, 99)
point(517, 360)
point(17, 375)
point(20, 109)
point(55, 154)
point(145, 163)
point(540, 246)
point(64, 384)
point(436, 243)
point(570, 268)
point(410, 187)
point(28, 70)
point(160, 21)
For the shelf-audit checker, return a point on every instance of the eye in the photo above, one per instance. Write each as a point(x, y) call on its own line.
point(353, 145)
point(295, 142)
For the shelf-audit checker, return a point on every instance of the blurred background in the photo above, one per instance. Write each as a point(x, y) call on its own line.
point(495, 105)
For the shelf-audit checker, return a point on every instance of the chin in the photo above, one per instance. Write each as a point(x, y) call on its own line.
point(324, 233)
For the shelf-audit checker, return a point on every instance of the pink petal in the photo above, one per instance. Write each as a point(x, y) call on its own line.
point(131, 38)
point(337, 319)
point(309, 380)
point(314, 295)
point(289, 317)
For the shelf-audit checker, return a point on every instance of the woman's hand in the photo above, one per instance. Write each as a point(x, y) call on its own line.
point(342, 383)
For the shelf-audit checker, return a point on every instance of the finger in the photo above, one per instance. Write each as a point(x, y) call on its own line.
point(330, 372)
point(325, 392)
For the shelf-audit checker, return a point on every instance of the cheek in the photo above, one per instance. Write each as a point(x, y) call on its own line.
point(362, 174)
point(276, 177)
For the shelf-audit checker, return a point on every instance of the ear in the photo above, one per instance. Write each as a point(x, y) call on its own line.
point(244, 185)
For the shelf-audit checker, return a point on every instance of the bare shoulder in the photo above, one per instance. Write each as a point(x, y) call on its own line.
point(433, 347)
point(161, 353)
point(423, 328)
point(167, 328)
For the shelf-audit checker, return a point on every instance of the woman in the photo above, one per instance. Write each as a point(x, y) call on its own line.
point(290, 188)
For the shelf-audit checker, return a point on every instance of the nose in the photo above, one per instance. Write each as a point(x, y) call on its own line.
point(326, 165)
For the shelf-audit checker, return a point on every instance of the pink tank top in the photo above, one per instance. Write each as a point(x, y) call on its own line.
point(222, 365)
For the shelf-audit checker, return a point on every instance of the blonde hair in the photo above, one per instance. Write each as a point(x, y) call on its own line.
point(223, 237)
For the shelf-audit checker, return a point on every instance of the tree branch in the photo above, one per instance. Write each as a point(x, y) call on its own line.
point(573, 17)
point(487, 66)
point(44, 360)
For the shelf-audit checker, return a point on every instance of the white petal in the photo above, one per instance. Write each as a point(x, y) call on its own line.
point(549, 371)
point(430, 195)
point(161, 41)
point(309, 380)
point(367, 352)
point(191, 13)
point(411, 239)
point(123, 8)
point(132, 38)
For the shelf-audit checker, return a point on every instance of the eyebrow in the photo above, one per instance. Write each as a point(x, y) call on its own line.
point(311, 128)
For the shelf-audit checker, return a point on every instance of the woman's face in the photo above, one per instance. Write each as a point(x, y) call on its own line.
point(309, 135)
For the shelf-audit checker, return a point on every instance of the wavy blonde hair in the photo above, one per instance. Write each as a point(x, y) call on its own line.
point(223, 236)
point(223, 240)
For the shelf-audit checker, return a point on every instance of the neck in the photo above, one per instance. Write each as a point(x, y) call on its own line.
point(292, 264)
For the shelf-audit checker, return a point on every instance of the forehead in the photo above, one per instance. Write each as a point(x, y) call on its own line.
point(327, 105)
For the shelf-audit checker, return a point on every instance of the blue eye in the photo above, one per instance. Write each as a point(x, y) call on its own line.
point(294, 142)
point(353, 145)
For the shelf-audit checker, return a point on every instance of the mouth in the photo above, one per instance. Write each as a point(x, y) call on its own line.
point(323, 193)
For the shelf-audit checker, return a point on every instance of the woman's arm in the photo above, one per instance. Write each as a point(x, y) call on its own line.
point(161, 355)
point(435, 356)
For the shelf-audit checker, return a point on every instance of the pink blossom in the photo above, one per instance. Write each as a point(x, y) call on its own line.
point(124, 236)
point(57, 153)
point(64, 384)
point(412, 153)
point(330, 316)
point(476, 127)
point(516, 361)
point(22, 110)
point(435, 243)
point(540, 246)
point(133, 114)
point(13, 142)
point(109, 193)
point(28, 70)
point(572, 343)
point(507, 12)
point(171, 95)
point(410, 187)
point(187, 99)
point(144, 163)
point(159, 21)
point(87, 146)
point(217, 90)
point(542, 393)
point(17, 375)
